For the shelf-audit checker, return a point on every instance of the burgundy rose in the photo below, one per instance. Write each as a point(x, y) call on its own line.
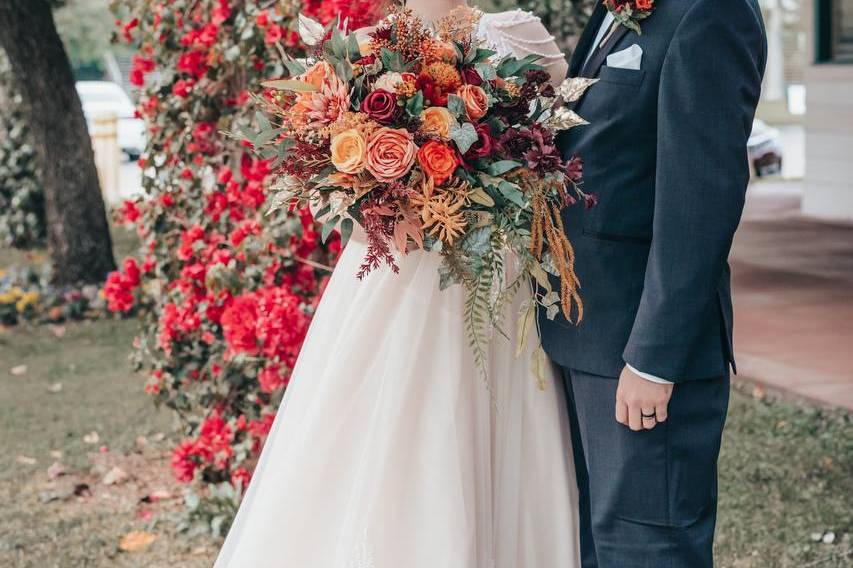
point(485, 144)
point(381, 106)
point(471, 77)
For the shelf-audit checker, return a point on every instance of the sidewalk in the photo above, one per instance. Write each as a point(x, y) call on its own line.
point(793, 295)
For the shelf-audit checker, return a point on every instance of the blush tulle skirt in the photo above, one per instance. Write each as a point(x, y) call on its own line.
point(391, 451)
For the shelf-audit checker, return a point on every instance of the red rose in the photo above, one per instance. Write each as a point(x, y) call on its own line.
point(485, 144)
point(381, 106)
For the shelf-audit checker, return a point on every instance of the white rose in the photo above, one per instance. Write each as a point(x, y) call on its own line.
point(388, 81)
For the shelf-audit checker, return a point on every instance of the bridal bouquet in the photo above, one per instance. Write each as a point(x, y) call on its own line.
point(429, 141)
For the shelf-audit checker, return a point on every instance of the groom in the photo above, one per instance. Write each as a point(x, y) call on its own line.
point(647, 371)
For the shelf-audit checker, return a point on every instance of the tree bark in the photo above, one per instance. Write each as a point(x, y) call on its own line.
point(78, 232)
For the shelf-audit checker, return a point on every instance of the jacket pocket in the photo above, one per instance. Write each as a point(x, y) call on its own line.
point(617, 238)
point(629, 77)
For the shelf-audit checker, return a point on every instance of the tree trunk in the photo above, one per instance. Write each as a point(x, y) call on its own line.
point(78, 233)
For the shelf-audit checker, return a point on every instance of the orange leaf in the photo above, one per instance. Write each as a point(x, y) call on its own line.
point(136, 540)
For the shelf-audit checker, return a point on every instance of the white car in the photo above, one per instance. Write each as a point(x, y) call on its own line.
point(104, 98)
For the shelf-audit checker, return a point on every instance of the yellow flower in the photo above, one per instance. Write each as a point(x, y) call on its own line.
point(349, 151)
point(436, 121)
point(27, 300)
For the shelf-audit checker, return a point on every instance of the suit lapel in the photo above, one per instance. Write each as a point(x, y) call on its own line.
point(593, 66)
point(587, 37)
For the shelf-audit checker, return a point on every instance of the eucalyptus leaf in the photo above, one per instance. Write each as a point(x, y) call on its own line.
point(295, 67)
point(415, 105)
point(479, 195)
point(512, 192)
point(343, 69)
point(354, 51)
point(393, 61)
point(328, 227)
point(263, 121)
point(346, 230)
point(501, 167)
point(512, 67)
point(325, 210)
point(290, 85)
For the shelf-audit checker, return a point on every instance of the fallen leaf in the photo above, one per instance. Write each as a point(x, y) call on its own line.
point(92, 438)
point(55, 388)
point(156, 495)
point(82, 489)
point(56, 470)
point(828, 538)
point(26, 460)
point(141, 441)
point(158, 437)
point(58, 330)
point(136, 540)
point(58, 495)
point(115, 476)
point(56, 454)
point(18, 370)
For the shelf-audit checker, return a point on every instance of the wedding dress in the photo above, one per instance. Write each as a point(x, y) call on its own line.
point(390, 450)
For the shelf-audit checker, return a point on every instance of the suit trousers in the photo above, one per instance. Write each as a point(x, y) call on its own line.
point(648, 499)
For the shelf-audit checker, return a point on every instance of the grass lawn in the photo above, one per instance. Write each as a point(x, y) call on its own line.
point(786, 470)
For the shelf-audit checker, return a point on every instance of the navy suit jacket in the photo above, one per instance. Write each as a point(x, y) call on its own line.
point(665, 151)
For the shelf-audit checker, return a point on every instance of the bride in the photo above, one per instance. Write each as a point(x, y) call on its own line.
point(389, 450)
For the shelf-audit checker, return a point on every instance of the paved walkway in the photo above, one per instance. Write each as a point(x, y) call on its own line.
point(793, 281)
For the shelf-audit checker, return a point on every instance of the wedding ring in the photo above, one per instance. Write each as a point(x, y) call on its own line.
point(648, 416)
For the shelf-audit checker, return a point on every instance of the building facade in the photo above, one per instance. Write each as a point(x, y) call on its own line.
point(828, 78)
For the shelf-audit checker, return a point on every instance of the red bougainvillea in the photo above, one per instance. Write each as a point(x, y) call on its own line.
point(224, 292)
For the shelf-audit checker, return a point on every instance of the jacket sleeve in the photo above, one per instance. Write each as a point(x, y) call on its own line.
point(709, 87)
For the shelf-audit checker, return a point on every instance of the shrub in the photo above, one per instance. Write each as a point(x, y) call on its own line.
point(225, 294)
point(22, 217)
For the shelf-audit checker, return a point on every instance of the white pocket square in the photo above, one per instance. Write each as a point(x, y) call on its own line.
point(630, 58)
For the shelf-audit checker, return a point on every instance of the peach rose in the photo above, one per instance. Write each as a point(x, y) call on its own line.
point(319, 74)
point(438, 160)
point(349, 151)
point(390, 153)
point(475, 99)
point(436, 121)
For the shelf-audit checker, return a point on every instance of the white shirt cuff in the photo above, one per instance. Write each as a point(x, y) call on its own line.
point(649, 377)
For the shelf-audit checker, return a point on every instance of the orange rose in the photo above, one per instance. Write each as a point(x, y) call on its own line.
point(436, 121)
point(438, 160)
point(475, 99)
point(349, 151)
point(390, 153)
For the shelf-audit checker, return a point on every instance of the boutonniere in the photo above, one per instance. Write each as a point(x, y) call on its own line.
point(630, 13)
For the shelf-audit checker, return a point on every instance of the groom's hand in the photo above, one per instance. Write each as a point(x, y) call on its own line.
point(640, 403)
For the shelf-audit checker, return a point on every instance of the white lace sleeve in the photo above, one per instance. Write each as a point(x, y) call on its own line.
point(520, 33)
